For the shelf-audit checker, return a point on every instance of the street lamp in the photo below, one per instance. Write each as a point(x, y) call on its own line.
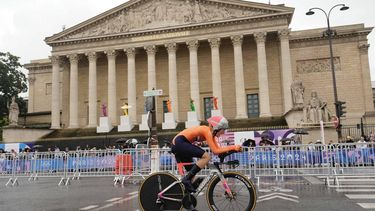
point(329, 33)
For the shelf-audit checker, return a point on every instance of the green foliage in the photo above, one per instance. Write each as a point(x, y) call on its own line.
point(12, 82)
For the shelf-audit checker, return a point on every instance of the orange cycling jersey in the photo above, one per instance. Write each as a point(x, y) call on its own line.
point(204, 133)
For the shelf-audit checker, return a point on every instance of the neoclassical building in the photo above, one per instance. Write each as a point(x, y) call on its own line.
point(243, 53)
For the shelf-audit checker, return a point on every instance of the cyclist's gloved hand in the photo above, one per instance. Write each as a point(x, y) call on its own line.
point(237, 148)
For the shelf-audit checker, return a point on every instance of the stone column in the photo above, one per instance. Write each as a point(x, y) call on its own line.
point(30, 103)
point(93, 113)
point(264, 95)
point(216, 73)
point(366, 79)
point(73, 91)
point(151, 51)
point(172, 78)
point(112, 92)
point(55, 101)
point(239, 78)
point(194, 77)
point(132, 90)
point(286, 69)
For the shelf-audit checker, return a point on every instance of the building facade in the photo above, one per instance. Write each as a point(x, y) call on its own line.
point(241, 52)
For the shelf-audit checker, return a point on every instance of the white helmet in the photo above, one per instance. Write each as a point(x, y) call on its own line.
point(218, 122)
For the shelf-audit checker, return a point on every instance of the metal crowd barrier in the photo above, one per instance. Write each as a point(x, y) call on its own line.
point(133, 165)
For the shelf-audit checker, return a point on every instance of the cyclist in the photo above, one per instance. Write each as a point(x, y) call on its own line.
point(184, 150)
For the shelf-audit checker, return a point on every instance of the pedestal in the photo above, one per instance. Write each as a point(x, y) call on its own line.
point(192, 119)
point(144, 124)
point(216, 113)
point(104, 125)
point(155, 159)
point(169, 121)
point(125, 124)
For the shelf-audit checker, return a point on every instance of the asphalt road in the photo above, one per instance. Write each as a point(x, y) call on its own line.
point(292, 194)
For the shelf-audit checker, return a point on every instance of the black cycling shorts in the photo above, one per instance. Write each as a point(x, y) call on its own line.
point(184, 151)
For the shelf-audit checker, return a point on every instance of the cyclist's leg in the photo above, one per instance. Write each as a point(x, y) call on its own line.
point(153, 185)
point(185, 151)
point(243, 191)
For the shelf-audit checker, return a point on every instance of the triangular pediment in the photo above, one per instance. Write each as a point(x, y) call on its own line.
point(140, 15)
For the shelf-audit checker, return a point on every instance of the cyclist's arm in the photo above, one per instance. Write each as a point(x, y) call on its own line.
point(216, 149)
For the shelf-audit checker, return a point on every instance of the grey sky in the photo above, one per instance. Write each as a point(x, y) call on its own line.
point(25, 23)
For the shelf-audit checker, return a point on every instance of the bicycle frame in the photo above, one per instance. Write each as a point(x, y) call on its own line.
point(213, 172)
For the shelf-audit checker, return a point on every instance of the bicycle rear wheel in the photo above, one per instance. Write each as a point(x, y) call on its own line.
point(154, 184)
point(244, 194)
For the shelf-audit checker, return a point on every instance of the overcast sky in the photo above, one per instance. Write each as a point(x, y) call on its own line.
point(25, 23)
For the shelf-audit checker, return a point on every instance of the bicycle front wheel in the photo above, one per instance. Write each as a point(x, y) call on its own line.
point(154, 184)
point(243, 191)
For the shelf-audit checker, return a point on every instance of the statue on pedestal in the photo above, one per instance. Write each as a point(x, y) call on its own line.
point(192, 106)
point(215, 103)
point(104, 110)
point(316, 110)
point(169, 106)
point(14, 111)
point(125, 109)
point(297, 94)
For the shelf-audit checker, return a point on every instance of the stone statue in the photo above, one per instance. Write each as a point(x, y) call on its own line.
point(192, 106)
point(169, 106)
point(214, 102)
point(315, 110)
point(14, 111)
point(297, 94)
point(104, 110)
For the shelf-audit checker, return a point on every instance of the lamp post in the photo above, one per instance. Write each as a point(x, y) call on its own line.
point(329, 33)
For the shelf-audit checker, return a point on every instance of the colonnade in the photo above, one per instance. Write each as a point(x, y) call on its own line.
point(193, 46)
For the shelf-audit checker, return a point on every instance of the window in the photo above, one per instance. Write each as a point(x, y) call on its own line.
point(48, 88)
point(252, 105)
point(165, 109)
point(207, 107)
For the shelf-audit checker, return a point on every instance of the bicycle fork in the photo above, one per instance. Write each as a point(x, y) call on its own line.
point(225, 185)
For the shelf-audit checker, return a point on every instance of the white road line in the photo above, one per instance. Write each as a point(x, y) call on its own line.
point(281, 194)
point(132, 193)
point(274, 197)
point(367, 205)
point(354, 186)
point(360, 196)
point(113, 199)
point(116, 202)
point(89, 207)
point(355, 190)
point(355, 180)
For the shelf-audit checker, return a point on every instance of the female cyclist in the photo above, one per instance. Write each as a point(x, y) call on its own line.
point(184, 150)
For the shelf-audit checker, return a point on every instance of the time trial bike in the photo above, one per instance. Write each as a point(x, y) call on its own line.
point(226, 191)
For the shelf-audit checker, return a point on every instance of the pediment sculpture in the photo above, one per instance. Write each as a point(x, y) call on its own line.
point(163, 13)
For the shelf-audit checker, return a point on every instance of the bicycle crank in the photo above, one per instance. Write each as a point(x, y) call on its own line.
point(189, 202)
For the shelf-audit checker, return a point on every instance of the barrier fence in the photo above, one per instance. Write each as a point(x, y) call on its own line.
point(135, 164)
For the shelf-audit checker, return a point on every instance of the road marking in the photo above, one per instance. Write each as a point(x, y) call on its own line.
point(114, 199)
point(355, 190)
point(116, 202)
point(282, 194)
point(132, 193)
point(354, 186)
point(313, 180)
point(280, 197)
point(360, 196)
point(354, 180)
point(367, 205)
point(89, 207)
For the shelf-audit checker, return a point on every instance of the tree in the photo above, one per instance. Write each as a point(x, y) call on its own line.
point(12, 82)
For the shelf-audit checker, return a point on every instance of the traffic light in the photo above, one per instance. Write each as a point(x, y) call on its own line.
point(341, 108)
